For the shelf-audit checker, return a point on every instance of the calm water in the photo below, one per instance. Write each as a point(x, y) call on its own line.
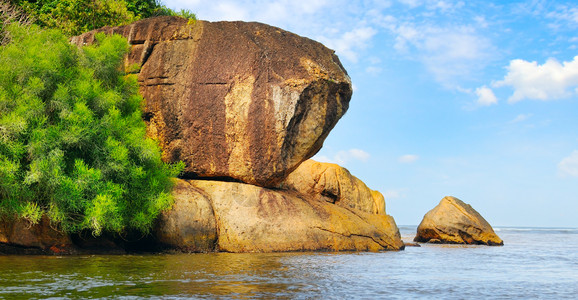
point(534, 263)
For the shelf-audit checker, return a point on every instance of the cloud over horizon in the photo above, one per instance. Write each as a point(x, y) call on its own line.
point(568, 166)
point(549, 81)
point(520, 118)
point(408, 158)
point(344, 156)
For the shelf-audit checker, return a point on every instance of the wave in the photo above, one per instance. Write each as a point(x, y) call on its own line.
point(564, 230)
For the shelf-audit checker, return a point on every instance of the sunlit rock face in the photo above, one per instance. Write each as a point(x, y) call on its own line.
point(244, 101)
point(334, 184)
point(455, 222)
point(237, 217)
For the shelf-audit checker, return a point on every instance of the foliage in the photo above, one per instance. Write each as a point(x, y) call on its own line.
point(10, 14)
point(184, 13)
point(72, 140)
point(74, 17)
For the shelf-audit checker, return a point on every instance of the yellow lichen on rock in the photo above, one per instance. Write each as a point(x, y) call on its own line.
point(237, 103)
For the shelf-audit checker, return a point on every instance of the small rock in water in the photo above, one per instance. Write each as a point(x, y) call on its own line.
point(454, 222)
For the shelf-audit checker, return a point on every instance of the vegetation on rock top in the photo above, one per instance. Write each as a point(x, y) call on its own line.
point(74, 17)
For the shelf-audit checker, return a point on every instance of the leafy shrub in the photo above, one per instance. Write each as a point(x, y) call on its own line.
point(184, 13)
point(74, 17)
point(72, 140)
point(10, 14)
point(77, 16)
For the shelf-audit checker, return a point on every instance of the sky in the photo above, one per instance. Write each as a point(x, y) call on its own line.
point(473, 99)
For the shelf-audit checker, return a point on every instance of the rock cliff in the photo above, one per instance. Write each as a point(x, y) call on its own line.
point(245, 101)
point(455, 222)
point(243, 105)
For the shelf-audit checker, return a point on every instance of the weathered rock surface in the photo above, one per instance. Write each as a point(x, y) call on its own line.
point(453, 221)
point(254, 219)
point(190, 225)
point(334, 184)
point(18, 236)
point(237, 100)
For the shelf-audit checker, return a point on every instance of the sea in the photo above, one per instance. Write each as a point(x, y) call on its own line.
point(534, 263)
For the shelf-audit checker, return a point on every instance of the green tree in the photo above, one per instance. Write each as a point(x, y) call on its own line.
point(72, 140)
point(74, 17)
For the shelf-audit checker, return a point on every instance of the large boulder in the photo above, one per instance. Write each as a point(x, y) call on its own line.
point(238, 100)
point(249, 218)
point(334, 184)
point(454, 222)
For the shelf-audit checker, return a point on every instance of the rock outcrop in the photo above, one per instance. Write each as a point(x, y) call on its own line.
point(455, 222)
point(238, 100)
point(334, 184)
point(243, 105)
point(255, 219)
point(18, 236)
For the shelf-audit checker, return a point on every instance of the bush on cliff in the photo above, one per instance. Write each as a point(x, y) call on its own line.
point(74, 17)
point(72, 140)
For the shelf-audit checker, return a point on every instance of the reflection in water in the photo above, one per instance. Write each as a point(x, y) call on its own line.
point(211, 275)
point(522, 269)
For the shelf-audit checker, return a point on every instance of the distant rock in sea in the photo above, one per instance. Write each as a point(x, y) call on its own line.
point(454, 222)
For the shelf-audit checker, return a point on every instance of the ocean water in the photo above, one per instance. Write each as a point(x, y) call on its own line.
point(534, 263)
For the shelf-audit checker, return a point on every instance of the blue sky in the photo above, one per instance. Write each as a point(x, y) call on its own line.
point(474, 99)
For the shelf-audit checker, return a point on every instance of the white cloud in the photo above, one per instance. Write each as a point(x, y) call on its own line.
point(449, 53)
point(411, 3)
point(549, 81)
point(520, 118)
point(231, 11)
point(373, 70)
point(443, 6)
point(395, 193)
point(344, 156)
point(279, 11)
point(481, 20)
point(408, 158)
point(566, 14)
point(569, 165)
point(486, 96)
point(359, 154)
point(348, 44)
point(347, 31)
